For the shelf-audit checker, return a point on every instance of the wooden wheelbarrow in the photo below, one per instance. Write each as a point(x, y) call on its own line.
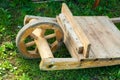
point(92, 41)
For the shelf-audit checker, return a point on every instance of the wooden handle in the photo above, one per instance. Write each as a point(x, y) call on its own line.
point(115, 20)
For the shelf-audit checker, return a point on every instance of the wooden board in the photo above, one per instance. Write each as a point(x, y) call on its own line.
point(79, 32)
point(69, 32)
point(59, 63)
point(70, 38)
point(103, 35)
point(67, 42)
point(73, 63)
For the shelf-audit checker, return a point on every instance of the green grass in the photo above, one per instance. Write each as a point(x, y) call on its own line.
point(14, 67)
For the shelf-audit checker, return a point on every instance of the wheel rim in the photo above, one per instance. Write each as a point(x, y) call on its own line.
point(26, 31)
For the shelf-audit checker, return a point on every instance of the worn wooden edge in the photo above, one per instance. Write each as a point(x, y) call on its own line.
point(80, 33)
point(99, 62)
point(68, 30)
point(115, 20)
point(59, 63)
point(74, 63)
point(67, 42)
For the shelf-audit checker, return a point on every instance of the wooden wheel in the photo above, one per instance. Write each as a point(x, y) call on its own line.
point(25, 41)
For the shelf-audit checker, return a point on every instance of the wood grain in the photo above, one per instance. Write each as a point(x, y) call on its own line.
point(73, 63)
point(59, 63)
point(42, 44)
point(70, 34)
point(67, 41)
point(78, 30)
point(103, 35)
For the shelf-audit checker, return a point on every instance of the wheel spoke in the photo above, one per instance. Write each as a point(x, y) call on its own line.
point(50, 36)
point(31, 35)
point(36, 50)
point(32, 52)
point(30, 43)
point(54, 46)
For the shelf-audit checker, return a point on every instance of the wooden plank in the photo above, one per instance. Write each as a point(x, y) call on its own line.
point(77, 29)
point(90, 63)
point(111, 27)
point(42, 45)
point(115, 20)
point(69, 32)
point(59, 63)
point(112, 44)
point(103, 35)
point(96, 48)
point(73, 63)
point(67, 42)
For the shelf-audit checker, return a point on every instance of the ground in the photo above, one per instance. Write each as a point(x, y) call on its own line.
point(14, 67)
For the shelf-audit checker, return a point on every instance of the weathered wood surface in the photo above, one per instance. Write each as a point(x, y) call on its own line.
point(59, 63)
point(70, 38)
point(103, 35)
point(73, 63)
point(89, 63)
point(67, 42)
point(69, 31)
point(79, 32)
